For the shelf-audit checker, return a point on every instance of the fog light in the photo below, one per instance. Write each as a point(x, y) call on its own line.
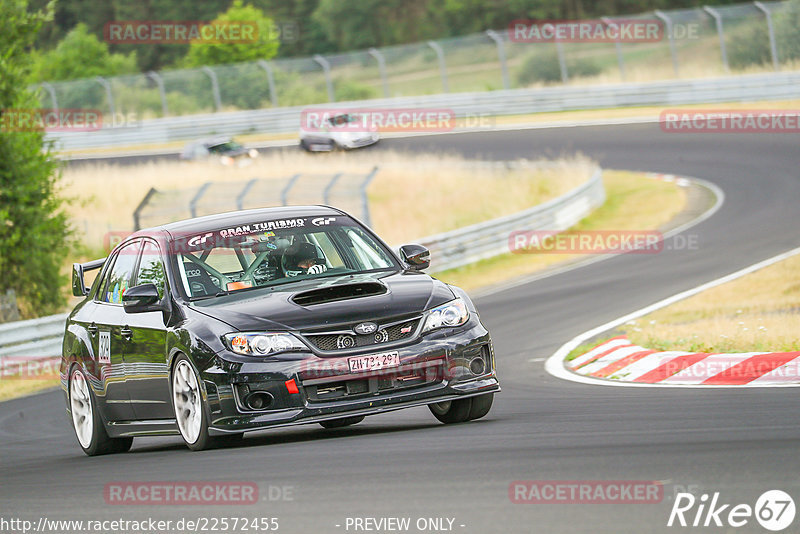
point(477, 366)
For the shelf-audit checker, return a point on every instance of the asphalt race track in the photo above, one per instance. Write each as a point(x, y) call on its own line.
point(739, 442)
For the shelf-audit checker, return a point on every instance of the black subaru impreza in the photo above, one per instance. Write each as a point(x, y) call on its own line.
point(219, 325)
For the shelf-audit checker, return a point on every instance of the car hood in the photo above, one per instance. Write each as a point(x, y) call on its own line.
point(289, 307)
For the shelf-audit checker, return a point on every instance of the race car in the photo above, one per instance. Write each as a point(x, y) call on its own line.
point(216, 326)
point(226, 149)
point(341, 131)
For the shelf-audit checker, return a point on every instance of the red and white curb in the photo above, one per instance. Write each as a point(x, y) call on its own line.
point(734, 370)
point(619, 359)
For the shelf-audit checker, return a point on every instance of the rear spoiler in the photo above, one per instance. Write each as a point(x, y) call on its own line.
point(79, 288)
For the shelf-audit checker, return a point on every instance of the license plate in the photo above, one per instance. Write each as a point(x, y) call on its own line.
point(374, 362)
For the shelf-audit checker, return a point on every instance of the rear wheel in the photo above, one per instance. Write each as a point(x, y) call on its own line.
point(456, 411)
point(344, 421)
point(481, 406)
point(187, 401)
point(86, 421)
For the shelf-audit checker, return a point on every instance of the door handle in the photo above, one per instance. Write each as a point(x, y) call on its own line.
point(126, 333)
point(92, 328)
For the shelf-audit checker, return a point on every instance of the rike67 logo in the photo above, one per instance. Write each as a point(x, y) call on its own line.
point(774, 510)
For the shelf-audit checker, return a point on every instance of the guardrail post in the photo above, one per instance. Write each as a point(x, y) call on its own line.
point(773, 48)
point(196, 199)
point(326, 193)
point(374, 52)
point(673, 51)
point(501, 55)
point(273, 94)
point(326, 68)
point(721, 33)
point(214, 87)
point(289, 185)
point(617, 46)
point(107, 86)
point(364, 200)
point(137, 213)
point(562, 62)
point(442, 64)
point(246, 189)
point(51, 90)
point(153, 75)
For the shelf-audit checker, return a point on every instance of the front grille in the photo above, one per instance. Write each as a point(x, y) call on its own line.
point(344, 341)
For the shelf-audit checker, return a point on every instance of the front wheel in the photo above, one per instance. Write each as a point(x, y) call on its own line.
point(456, 411)
point(190, 411)
point(481, 406)
point(344, 421)
point(89, 429)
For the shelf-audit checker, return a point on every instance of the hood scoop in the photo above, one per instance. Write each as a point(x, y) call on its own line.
point(338, 292)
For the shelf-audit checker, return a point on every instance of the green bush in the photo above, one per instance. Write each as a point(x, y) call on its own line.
point(545, 68)
point(346, 90)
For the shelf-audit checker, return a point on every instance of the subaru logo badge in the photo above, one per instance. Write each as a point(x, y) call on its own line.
point(365, 328)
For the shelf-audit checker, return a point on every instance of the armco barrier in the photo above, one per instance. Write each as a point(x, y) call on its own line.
point(42, 337)
point(773, 86)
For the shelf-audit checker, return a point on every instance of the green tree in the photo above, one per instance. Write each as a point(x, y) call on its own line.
point(34, 231)
point(265, 47)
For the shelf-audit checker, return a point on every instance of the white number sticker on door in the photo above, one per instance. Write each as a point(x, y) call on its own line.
point(104, 347)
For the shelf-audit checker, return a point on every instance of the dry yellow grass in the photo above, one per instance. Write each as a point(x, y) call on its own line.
point(411, 197)
point(11, 388)
point(633, 202)
point(759, 312)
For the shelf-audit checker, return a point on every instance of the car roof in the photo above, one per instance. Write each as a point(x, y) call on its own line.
point(237, 218)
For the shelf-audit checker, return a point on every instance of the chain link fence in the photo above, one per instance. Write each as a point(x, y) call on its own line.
point(700, 42)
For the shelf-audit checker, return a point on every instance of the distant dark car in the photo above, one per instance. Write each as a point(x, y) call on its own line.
point(226, 149)
point(219, 325)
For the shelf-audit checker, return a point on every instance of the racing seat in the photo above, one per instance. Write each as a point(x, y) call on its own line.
point(200, 282)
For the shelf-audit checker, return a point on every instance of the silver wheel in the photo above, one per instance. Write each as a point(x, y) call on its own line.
point(187, 401)
point(81, 408)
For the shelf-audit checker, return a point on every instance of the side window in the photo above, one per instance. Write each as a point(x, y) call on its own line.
point(151, 269)
point(119, 279)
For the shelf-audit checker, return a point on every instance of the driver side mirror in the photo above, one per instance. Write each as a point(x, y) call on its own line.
point(416, 256)
point(141, 298)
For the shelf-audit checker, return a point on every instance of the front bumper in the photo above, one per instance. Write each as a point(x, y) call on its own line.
point(433, 368)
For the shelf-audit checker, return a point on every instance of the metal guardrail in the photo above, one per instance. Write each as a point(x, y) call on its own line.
point(773, 86)
point(42, 337)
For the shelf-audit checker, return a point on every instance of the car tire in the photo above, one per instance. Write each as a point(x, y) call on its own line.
point(344, 421)
point(448, 412)
point(304, 145)
point(191, 413)
point(86, 421)
point(481, 406)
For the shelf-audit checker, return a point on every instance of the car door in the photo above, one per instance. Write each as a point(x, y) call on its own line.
point(145, 350)
point(107, 336)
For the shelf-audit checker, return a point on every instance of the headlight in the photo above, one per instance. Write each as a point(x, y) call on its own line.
point(454, 313)
point(262, 343)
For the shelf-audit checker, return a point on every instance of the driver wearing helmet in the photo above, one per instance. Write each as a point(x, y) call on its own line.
point(303, 258)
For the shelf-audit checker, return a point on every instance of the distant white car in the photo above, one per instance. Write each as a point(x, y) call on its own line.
point(339, 131)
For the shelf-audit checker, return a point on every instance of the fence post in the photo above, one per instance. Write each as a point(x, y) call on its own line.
point(374, 52)
point(138, 211)
point(51, 90)
point(364, 200)
point(246, 189)
point(617, 46)
point(562, 62)
point(214, 86)
point(102, 81)
point(326, 68)
point(668, 23)
point(196, 199)
point(721, 33)
point(289, 185)
point(773, 48)
point(153, 75)
point(273, 95)
point(501, 55)
point(442, 64)
point(326, 193)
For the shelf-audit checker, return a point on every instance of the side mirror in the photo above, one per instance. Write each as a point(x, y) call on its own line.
point(141, 298)
point(416, 256)
point(78, 287)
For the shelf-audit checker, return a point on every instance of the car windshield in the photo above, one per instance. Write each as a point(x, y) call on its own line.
point(221, 148)
point(340, 120)
point(269, 253)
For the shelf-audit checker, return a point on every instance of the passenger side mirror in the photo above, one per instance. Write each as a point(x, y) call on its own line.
point(141, 298)
point(416, 256)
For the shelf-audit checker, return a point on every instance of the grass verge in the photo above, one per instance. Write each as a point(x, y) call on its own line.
point(759, 312)
point(11, 388)
point(634, 202)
